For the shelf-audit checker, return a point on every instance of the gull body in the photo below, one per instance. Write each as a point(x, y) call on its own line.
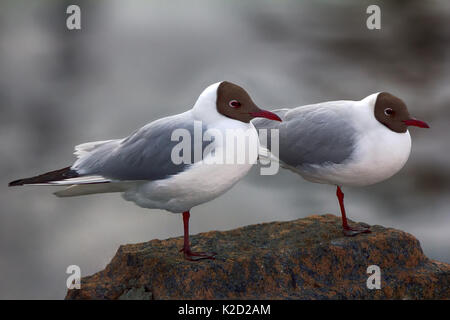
point(344, 143)
point(142, 168)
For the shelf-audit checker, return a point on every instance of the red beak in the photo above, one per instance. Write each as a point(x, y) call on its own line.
point(265, 114)
point(416, 123)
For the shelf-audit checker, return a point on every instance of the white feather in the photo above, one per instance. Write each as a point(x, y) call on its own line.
point(85, 148)
point(85, 189)
point(80, 180)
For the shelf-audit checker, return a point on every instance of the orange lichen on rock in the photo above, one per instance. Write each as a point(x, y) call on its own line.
point(303, 259)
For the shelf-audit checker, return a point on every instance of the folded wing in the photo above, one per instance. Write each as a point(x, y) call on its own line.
point(144, 155)
point(312, 134)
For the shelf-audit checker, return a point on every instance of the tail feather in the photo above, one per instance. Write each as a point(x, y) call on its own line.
point(93, 188)
point(61, 174)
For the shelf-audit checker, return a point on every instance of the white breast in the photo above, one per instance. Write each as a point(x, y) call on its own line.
point(379, 154)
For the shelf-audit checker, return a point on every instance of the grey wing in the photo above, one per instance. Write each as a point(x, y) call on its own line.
point(144, 155)
point(315, 134)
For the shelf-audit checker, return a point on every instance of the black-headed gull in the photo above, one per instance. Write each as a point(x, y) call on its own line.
point(142, 165)
point(344, 143)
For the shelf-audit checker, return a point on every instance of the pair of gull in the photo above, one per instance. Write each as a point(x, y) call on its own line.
point(343, 143)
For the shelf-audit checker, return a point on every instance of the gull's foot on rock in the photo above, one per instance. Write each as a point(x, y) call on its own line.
point(196, 256)
point(351, 232)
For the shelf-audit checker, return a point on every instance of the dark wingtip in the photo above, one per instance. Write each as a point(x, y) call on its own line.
point(61, 174)
point(15, 183)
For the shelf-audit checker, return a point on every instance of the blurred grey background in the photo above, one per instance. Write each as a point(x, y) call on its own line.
point(136, 61)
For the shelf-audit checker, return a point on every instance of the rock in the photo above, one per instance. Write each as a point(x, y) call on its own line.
point(303, 259)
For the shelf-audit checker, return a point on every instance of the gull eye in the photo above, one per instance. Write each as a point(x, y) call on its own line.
point(389, 112)
point(234, 104)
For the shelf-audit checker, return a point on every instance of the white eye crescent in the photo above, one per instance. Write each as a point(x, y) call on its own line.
point(234, 104)
point(389, 112)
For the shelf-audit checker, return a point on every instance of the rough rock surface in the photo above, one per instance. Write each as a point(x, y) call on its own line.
point(303, 259)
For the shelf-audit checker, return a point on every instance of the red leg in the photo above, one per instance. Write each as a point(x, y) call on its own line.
point(188, 254)
point(348, 231)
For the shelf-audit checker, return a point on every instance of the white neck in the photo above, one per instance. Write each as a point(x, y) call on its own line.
point(205, 108)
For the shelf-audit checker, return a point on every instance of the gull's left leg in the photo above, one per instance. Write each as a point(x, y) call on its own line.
point(188, 254)
point(348, 231)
